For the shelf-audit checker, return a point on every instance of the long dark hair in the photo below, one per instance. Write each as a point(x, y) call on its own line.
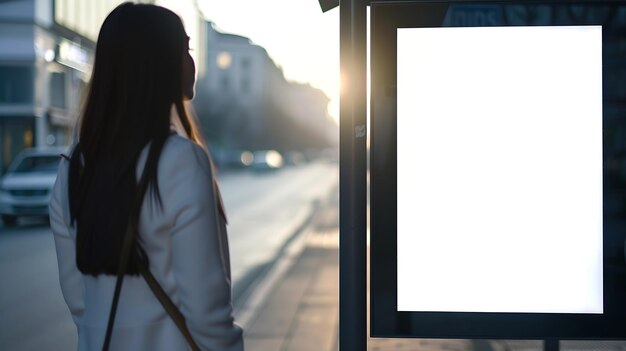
point(136, 79)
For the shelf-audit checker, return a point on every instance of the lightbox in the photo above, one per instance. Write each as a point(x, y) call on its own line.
point(492, 207)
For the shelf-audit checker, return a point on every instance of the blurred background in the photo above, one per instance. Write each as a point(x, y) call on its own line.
point(266, 98)
point(245, 100)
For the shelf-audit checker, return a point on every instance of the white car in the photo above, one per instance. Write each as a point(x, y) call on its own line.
point(25, 188)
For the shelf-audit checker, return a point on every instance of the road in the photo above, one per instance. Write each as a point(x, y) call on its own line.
point(264, 210)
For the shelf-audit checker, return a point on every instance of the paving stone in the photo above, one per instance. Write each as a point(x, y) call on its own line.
point(263, 344)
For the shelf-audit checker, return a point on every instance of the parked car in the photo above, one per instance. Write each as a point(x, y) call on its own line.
point(25, 188)
point(232, 159)
point(266, 160)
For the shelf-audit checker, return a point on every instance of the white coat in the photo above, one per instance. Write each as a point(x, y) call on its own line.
point(188, 251)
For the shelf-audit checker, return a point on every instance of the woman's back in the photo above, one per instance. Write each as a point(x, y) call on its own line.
point(187, 248)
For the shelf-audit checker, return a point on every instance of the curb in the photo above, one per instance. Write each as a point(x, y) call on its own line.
point(251, 290)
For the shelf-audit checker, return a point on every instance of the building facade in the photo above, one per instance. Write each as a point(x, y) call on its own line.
point(46, 52)
point(244, 101)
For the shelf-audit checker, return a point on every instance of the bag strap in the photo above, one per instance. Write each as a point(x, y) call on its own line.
point(128, 244)
point(118, 286)
point(168, 305)
point(129, 241)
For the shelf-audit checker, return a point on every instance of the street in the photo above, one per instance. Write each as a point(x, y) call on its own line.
point(264, 211)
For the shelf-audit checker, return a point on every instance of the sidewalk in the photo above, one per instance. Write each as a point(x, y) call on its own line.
point(301, 310)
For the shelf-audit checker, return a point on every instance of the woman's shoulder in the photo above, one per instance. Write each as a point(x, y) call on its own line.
point(176, 142)
point(177, 145)
point(64, 160)
point(180, 153)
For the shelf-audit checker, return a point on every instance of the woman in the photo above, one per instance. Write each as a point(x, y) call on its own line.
point(142, 74)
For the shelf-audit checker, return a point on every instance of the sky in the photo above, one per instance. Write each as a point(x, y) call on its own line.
point(297, 35)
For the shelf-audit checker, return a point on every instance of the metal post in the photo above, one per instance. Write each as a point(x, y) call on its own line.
point(352, 175)
point(551, 345)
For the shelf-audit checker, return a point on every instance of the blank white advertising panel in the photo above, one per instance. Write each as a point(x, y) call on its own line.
point(499, 146)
